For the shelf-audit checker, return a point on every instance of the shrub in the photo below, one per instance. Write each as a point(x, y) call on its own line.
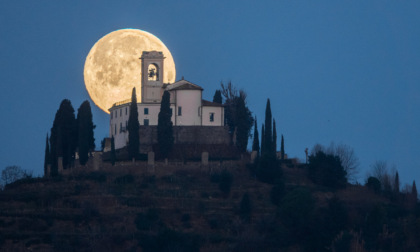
point(268, 170)
point(245, 207)
point(225, 182)
point(123, 180)
point(276, 193)
point(374, 184)
point(147, 221)
point(96, 176)
point(326, 169)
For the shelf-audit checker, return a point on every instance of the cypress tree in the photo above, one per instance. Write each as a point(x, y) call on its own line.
point(63, 139)
point(244, 122)
point(237, 115)
point(218, 97)
point(268, 138)
point(86, 140)
point(282, 147)
point(133, 128)
point(164, 128)
point(47, 157)
point(113, 154)
point(274, 138)
point(414, 190)
point(256, 141)
point(262, 140)
point(397, 183)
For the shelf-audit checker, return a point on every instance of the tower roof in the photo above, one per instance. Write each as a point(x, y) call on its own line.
point(183, 85)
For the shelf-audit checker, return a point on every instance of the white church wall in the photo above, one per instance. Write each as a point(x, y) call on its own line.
point(190, 102)
point(212, 116)
point(153, 113)
point(118, 124)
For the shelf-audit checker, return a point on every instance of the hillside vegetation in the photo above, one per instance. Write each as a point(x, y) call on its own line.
point(127, 208)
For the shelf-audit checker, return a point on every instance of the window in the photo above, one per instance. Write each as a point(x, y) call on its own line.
point(126, 109)
point(211, 117)
point(121, 128)
point(116, 113)
point(146, 111)
point(115, 129)
point(120, 112)
point(171, 112)
point(180, 111)
point(112, 114)
point(146, 122)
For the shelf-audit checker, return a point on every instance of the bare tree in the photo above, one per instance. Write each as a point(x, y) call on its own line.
point(384, 174)
point(379, 169)
point(12, 173)
point(347, 156)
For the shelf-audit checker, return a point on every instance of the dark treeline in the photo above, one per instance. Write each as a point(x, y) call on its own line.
point(68, 135)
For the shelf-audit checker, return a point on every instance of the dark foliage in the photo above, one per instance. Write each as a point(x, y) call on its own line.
point(374, 184)
point(113, 153)
point(218, 97)
point(149, 220)
point(47, 157)
point(63, 140)
point(274, 147)
point(171, 240)
point(86, 140)
point(262, 139)
point(225, 181)
point(375, 220)
point(256, 141)
point(282, 148)
point(164, 128)
point(327, 170)
point(123, 180)
point(245, 207)
point(268, 170)
point(133, 128)
point(237, 115)
point(277, 193)
point(268, 131)
point(414, 190)
point(397, 183)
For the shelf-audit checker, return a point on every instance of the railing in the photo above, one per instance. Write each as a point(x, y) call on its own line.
point(121, 103)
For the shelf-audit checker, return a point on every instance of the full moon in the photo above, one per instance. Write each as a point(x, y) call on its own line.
point(113, 67)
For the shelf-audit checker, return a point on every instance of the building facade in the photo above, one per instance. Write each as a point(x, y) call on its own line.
point(188, 107)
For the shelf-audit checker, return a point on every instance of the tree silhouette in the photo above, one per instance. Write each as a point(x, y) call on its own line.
point(218, 97)
point(282, 147)
point(268, 137)
point(164, 128)
point(237, 115)
point(86, 140)
point(47, 157)
point(113, 154)
point(133, 128)
point(63, 140)
point(326, 169)
point(397, 183)
point(274, 139)
point(256, 141)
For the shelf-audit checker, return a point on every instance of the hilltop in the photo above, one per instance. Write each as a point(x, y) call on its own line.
point(186, 207)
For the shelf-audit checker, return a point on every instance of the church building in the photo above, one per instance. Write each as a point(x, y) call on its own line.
point(186, 102)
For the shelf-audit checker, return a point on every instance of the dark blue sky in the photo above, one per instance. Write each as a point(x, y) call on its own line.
point(342, 71)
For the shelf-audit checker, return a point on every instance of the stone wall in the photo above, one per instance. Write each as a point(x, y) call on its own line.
point(201, 135)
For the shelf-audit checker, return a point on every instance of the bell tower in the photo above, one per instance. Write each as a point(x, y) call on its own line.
point(152, 76)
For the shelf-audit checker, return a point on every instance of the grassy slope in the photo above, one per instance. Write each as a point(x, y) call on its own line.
point(99, 211)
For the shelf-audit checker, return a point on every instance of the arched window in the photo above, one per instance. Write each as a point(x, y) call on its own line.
point(153, 72)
